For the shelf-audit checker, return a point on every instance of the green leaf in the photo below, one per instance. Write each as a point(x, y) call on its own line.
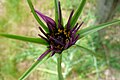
point(89, 51)
point(56, 11)
point(36, 16)
point(77, 13)
point(27, 39)
point(93, 29)
point(33, 67)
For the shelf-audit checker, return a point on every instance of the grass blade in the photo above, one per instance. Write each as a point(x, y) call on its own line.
point(56, 11)
point(27, 39)
point(77, 13)
point(93, 29)
point(34, 66)
point(36, 16)
point(90, 51)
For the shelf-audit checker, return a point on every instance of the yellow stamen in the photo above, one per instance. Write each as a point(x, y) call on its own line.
point(60, 31)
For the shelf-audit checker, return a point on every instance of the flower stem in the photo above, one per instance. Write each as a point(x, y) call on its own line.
point(59, 60)
point(36, 16)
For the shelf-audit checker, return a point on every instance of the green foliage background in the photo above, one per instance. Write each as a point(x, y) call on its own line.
point(78, 64)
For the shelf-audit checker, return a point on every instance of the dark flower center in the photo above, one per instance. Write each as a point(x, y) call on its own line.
point(59, 38)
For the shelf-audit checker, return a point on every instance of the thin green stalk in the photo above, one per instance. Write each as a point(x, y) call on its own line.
point(31, 69)
point(90, 51)
point(96, 67)
point(24, 38)
point(93, 29)
point(47, 71)
point(56, 11)
point(78, 13)
point(36, 16)
point(27, 73)
point(59, 60)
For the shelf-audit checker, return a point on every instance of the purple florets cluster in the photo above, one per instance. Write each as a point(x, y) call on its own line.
point(58, 37)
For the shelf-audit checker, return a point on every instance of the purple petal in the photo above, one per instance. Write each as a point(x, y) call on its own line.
point(67, 44)
point(51, 47)
point(79, 26)
point(74, 27)
point(43, 32)
point(57, 51)
point(74, 32)
point(47, 19)
point(52, 53)
point(56, 41)
point(51, 28)
point(59, 13)
point(71, 39)
point(68, 24)
point(44, 54)
point(77, 37)
point(60, 25)
point(43, 37)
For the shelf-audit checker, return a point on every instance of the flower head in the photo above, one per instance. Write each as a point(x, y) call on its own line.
point(59, 37)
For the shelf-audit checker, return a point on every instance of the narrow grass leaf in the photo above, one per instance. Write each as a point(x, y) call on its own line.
point(56, 11)
point(33, 67)
point(89, 51)
point(36, 16)
point(47, 71)
point(77, 13)
point(93, 29)
point(24, 38)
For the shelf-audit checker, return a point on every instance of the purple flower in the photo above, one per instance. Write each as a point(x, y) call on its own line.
point(59, 37)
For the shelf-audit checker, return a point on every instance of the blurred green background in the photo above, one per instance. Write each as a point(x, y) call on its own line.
point(78, 64)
